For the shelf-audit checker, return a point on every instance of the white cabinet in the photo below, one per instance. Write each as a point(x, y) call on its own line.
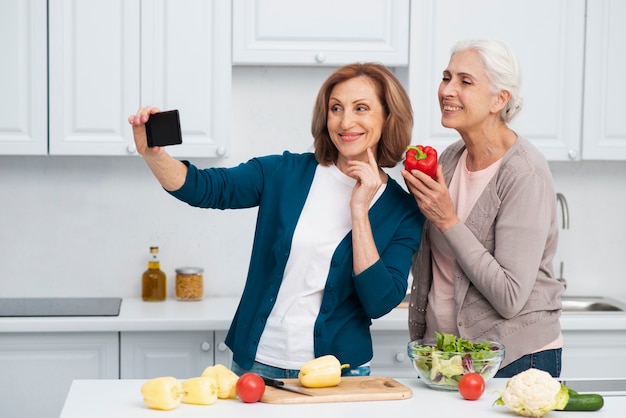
point(604, 127)
point(223, 355)
point(548, 38)
point(596, 354)
point(182, 354)
point(37, 369)
point(108, 58)
point(322, 32)
point(390, 354)
point(23, 77)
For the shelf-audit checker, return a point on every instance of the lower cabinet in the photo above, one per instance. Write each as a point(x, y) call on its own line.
point(182, 354)
point(594, 354)
point(37, 369)
point(390, 355)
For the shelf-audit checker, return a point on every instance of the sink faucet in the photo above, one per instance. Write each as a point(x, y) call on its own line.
point(564, 209)
point(565, 215)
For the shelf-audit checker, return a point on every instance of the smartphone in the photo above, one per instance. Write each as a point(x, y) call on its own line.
point(163, 129)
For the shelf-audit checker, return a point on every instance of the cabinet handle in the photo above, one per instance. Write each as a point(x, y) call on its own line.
point(320, 57)
point(205, 346)
point(572, 154)
point(400, 357)
point(131, 148)
point(222, 347)
point(220, 151)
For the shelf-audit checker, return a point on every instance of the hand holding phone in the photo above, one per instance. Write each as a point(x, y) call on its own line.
point(163, 129)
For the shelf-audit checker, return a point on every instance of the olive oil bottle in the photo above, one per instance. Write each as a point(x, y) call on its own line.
point(153, 280)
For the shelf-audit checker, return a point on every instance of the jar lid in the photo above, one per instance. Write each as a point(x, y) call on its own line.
point(189, 270)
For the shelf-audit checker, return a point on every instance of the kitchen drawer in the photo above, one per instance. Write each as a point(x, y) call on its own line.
point(390, 355)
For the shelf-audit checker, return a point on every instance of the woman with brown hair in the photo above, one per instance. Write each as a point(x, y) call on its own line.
point(335, 234)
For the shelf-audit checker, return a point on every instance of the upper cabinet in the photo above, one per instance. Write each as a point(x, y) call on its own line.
point(108, 58)
point(548, 38)
point(322, 32)
point(604, 127)
point(23, 77)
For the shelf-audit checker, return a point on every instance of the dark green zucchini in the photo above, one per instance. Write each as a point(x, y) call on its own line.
point(583, 401)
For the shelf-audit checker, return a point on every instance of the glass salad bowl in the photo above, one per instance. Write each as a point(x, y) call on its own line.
point(441, 367)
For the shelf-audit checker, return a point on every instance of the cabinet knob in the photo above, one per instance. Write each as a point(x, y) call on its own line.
point(400, 357)
point(222, 347)
point(572, 154)
point(220, 151)
point(205, 346)
point(131, 148)
point(320, 57)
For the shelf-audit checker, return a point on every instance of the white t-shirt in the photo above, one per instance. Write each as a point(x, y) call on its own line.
point(287, 340)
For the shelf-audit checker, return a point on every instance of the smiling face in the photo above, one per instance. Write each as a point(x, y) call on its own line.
point(355, 119)
point(466, 95)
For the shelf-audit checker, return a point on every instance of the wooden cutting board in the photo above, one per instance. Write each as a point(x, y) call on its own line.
point(351, 389)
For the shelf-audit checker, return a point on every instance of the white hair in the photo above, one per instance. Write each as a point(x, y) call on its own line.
point(503, 70)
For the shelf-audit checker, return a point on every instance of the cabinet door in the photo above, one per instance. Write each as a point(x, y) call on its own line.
point(548, 39)
point(390, 355)
point(223, 355)
point(37, 369)
point(322, 32)
point(94, 75)
point(23, 77)
point(108, 58)
point(182, 354)
point(595, 354)
point(604, 127)
point(185, 65)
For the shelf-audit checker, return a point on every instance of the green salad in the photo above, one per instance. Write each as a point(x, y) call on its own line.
point(452, 357)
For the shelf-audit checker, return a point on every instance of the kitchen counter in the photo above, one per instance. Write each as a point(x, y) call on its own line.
point(122, 398)
point(216, 314)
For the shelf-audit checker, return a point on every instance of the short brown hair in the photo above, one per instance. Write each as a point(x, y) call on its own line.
point(396, 132)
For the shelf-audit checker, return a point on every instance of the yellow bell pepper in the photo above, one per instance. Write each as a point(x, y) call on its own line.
point(226, 380)
point(200, 390)
point(324, 371)
point(162, 393)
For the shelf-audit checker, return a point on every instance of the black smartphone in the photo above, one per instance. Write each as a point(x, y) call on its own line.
point(163, 129)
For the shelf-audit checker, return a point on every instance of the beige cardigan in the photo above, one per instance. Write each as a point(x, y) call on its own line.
point(505, 292)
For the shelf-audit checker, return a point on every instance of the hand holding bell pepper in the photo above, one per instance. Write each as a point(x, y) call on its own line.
point(226, 380)
point(162, 393)
point(422, 158)
point(321, 372)
point(200, 390)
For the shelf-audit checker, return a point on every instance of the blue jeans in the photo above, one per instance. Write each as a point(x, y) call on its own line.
point(547, 360)
point(278, 373)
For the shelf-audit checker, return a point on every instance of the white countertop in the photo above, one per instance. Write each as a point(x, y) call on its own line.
point(216, 314)
point(122, 398)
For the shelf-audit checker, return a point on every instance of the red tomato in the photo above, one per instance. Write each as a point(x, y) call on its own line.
point(250, 387)
point(471, 386)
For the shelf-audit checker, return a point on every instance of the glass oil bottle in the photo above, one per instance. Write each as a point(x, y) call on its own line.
point(153, 280)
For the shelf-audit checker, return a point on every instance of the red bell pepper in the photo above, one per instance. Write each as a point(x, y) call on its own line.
point(422, 158)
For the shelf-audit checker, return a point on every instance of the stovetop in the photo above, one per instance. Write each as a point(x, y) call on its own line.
point(42, 307)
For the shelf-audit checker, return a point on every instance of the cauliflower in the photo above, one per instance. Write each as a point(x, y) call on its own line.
point(532, 393)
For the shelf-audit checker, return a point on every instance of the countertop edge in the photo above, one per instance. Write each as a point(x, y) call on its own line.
point(216, 314)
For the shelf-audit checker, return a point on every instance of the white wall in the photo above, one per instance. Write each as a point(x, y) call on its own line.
point(81, 226)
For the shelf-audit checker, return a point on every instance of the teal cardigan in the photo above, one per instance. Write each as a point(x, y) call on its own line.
point(278, 185)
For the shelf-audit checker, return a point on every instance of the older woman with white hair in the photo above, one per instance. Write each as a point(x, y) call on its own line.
point(484, 269)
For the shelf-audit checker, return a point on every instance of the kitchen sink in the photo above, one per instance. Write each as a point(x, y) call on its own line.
point(591, 304)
